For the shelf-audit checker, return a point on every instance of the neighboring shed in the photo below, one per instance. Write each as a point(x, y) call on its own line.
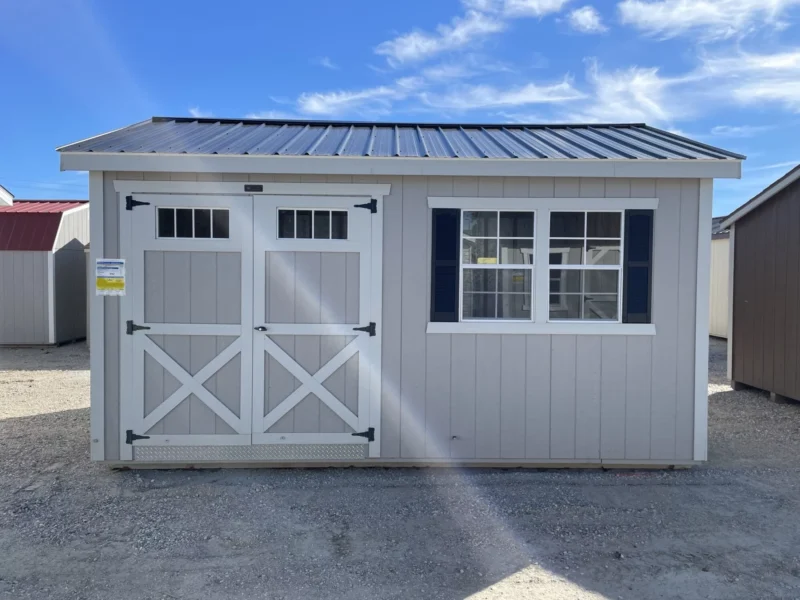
point(42, 271)
point(718, 297)
point(764, 344)
point(304, 292)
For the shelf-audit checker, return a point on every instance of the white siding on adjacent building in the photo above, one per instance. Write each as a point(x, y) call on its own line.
point(719, 297)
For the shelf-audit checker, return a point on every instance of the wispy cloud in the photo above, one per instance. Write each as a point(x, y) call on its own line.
point(272, 114)
point(779, 165)
point(586, 20)
point(420, 45)
point(713, 19)
point(326, 62)
point(631, 94)
point(374, 100)
point(740, 131)
point(486, 96)
point(199, 113)
point(518, 8)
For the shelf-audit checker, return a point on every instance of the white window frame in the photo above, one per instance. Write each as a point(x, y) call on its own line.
point(496, 266)
point(540, 319)
point(585, 266)
point(192, 208)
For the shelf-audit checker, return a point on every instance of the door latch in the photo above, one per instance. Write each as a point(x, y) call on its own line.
point(260, 328)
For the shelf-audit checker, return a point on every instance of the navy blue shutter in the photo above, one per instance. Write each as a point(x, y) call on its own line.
point(445, 242)
point(638, 267)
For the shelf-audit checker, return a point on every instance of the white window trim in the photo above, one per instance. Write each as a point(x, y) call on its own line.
point(541, 324)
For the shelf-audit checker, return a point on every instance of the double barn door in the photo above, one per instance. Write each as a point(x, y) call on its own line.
point(250, 321)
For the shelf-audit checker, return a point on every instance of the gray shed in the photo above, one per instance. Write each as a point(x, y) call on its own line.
point(42, 271)
point(303, 292)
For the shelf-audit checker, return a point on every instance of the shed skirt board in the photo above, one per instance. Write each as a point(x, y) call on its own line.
point(246, 341)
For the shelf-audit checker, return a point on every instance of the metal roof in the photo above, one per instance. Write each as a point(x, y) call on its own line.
point(179, 135)
point(32, 225)
point(41, 206)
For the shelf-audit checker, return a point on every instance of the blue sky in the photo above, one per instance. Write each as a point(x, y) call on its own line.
point(726, 72)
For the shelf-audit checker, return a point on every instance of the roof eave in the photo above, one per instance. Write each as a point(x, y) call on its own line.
point(357, 165)
point(776, 186)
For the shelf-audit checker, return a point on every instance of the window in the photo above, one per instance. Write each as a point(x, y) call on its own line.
point(193, 223)
point(585, 265)
point(312, 224)
point(497, 258)
point(525, 268)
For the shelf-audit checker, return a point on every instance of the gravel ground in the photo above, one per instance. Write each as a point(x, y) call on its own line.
point(72, 530)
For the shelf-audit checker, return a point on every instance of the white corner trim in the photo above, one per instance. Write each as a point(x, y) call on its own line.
point(376, 307)
point(701, 320)
point(731, 272)
point(51, 298)
point(6, 197)
point(96, 320)
point(542, 203)
point(372, 190)
point(360, 165)
point(524, 328)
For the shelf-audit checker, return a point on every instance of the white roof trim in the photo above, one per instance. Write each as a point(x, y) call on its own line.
point(752, 204)
point(6, 197)
point(339, 165)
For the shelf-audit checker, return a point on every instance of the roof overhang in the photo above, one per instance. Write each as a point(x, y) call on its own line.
point(765, 195)
point(301, 165)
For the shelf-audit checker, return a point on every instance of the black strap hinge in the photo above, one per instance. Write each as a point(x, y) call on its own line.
point(131, 437)
point(130, 327)
point(369, 434)
point(370, 329)
point(371, 206)
point(130, 203)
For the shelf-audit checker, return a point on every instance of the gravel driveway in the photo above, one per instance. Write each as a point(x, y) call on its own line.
point(72, 530)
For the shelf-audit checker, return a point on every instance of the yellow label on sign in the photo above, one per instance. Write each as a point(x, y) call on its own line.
point(487, 261)
point(110, 283)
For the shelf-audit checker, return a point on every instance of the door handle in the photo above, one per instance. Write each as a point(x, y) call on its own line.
point(260, 328)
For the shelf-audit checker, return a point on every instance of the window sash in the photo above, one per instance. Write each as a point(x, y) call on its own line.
point(496, 266)
point(588, 267)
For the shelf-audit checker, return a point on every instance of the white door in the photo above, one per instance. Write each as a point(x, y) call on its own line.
point(187, 349)
point(316, 350)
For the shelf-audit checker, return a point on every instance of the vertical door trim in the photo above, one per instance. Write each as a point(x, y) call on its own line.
point(376, 310)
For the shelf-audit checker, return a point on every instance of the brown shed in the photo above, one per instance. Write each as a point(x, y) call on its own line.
point(764, 346)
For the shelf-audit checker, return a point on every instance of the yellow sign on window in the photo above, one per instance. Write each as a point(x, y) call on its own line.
point(485, 260)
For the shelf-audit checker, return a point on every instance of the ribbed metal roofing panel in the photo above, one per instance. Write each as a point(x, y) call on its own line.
point(168, 135)
point(41, 206)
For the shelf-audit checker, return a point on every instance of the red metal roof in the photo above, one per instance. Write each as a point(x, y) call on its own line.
point(41, 206)
point(32, 224)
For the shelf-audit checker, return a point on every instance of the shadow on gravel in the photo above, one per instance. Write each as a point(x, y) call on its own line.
point(69, 357)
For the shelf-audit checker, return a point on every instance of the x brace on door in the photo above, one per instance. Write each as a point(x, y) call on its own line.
point(193, 385)
point(311, 383)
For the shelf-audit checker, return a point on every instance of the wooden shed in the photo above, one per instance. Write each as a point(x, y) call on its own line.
point(304, 292)
point(43, 271)
point(718, 297)
point(764, 344)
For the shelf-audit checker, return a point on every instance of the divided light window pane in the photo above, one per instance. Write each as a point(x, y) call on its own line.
point(310, 223)
point(187, 223)
point(183, 223)
point(202, 223)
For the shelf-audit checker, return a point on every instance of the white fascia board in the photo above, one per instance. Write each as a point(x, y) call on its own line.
point(339, 165)
point(758, 200)
point(468, 203)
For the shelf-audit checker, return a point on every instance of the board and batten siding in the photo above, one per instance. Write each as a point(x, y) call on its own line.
point(718, 300)
point(24, 313)
point(766, 296)
point(505, 397)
